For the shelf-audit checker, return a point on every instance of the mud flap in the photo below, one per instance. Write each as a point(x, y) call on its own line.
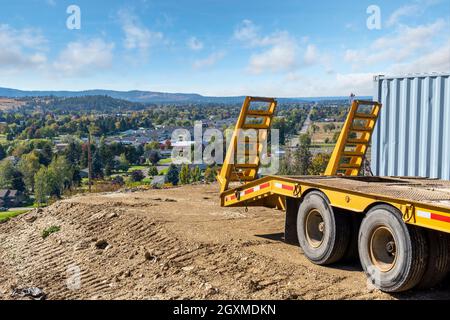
point(290, 229)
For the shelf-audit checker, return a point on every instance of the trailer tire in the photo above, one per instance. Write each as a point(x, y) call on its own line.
point(322, 234)
point(438, 264)
point(393, 255)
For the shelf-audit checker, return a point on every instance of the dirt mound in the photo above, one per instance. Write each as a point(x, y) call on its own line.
point(166, 244)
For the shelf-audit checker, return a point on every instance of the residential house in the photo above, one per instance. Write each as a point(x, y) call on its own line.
point(11, 198)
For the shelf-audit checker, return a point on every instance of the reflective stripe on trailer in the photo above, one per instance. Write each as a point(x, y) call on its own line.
point(283, 186)
point(250, 191)
point(432, 216)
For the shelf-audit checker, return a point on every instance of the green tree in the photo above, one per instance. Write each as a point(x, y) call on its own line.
point(196, 174)
point(10, 177)
point(286, 164)
point(153, 171)
point(73, 152)
point(124, 164)
point(108, 170)
point(46, 153)
point(185, 175)
point(42, 186)
point(118, 180)
point(280, 124)
point(76, 176)
point(137, 176)
point(97, 166)
point(172, 175)
point(305, 139)
point(29, 165)
point(2, 152)
point(154, 157)
point(106, 156)
point(154, 145)
point(315, 128)
point(60, 176)
point(302, 156)
point(210, 174)
point(319, 164)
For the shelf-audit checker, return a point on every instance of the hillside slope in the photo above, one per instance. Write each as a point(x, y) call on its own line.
point(168, 244)
point(151, 96)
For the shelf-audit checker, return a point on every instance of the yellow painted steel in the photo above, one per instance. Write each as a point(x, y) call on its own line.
point(236, 170)
point(348, 155)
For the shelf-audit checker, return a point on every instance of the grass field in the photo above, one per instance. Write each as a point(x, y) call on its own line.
point(136, 168)
point(11, 214)
point(164, 171)
point(165, 161)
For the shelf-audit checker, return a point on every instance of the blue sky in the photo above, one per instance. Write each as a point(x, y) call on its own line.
point(272, 48)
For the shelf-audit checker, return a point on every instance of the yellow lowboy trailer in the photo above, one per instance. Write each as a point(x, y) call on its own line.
point(399, 227)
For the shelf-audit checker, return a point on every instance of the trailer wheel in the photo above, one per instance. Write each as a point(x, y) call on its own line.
point(438, 259)
point(393, 255)
point(322, 234)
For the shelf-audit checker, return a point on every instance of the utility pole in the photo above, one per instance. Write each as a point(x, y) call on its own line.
point(89, 162)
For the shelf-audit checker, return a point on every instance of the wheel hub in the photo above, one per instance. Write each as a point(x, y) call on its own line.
point(315, 228)
point(322, 227)
point(383, 249)
point(390, 247)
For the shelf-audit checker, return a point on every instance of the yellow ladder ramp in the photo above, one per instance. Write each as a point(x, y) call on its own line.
point(249, 119)
point(349, 139)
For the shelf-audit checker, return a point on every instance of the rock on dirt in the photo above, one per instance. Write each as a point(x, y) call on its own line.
point(101, 244)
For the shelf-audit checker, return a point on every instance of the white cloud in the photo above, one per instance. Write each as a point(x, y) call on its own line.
point(21, 49)
point(404, 11)
point(194, 44)
point(26, 49)
point(209, 61)
point(247, 32)
point(311, 55)
point(436, 61)
point(80, 58)
point(303, 85)
point(280, 57)
point(405, 43)
point(137, 36)
point(414, 9)
point(282, 52)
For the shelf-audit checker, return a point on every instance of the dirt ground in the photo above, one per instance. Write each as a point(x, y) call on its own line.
point(168, 244)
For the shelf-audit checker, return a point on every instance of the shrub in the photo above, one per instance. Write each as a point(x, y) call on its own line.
point(50, 230)
point(137, 176)
point(173, 175)
point(118, 180)
point(152, 171)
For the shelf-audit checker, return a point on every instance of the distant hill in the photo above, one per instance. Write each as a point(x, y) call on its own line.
point(99, 104)
point(147, 96)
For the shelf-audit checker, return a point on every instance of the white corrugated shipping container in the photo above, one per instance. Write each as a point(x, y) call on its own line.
point(412, 137)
